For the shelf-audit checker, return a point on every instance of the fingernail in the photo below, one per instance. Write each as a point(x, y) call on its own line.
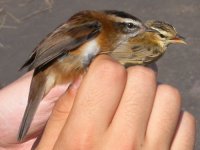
point(75, 85)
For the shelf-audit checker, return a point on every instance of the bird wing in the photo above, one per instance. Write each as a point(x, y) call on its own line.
point(37, 91)
point(64, 39)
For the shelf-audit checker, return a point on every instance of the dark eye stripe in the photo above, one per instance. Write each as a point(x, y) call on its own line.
point(126, 27)
point(124, 24)
point(122, 14)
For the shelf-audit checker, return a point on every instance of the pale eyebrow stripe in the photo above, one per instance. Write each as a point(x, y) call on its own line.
point(126, 20)
point(160, 31)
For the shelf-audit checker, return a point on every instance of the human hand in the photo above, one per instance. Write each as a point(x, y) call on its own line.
point(13, 100)
point(120, 109)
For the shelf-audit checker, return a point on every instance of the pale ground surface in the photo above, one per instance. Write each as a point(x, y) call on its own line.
point(179, 67)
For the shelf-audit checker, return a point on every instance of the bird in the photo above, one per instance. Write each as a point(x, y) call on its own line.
point(67, 52)
point(149, 46)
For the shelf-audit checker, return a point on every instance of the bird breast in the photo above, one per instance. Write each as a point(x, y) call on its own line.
point(88, 51)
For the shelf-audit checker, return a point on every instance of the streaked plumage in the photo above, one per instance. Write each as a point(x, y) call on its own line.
point(149, 46)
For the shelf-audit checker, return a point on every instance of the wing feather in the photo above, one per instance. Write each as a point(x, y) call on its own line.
point(64, 39)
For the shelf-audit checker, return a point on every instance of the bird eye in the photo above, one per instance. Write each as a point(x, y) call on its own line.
point(161, 35)
point(130, 25)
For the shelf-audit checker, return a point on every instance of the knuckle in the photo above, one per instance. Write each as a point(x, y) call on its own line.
point(109, 69)
point(59, 114)
point(82, 141)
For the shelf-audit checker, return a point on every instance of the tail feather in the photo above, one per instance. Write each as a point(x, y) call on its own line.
point(37, 92)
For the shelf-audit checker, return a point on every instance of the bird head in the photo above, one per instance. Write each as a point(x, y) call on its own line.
point(164, 33)
point(125, 24)
point(117, 27)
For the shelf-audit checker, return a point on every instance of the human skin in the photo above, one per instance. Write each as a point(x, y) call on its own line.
point(110, 108)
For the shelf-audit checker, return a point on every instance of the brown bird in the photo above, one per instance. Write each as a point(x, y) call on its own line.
point(149, 46)
point(66, 52)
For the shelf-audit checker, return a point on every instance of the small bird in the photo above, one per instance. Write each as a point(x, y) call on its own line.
point(149, 46)
point(67, 52)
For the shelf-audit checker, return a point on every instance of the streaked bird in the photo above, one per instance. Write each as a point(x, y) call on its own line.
point(149, 46)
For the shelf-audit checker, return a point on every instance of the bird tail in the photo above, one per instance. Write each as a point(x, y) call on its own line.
point(38, 90)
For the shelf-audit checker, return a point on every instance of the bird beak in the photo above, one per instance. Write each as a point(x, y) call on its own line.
point(178, 39)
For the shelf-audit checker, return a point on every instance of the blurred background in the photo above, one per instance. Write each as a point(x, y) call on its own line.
point(24, 23)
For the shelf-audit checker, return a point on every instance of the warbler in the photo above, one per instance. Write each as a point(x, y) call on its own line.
point(149, 46)
point(67, 52)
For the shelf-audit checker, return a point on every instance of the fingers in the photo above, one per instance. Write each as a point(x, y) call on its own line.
point(134, 109)
point(119, 109)
point(164, 118)
point(96, 102)
point(185, 135)
point(58, 117)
